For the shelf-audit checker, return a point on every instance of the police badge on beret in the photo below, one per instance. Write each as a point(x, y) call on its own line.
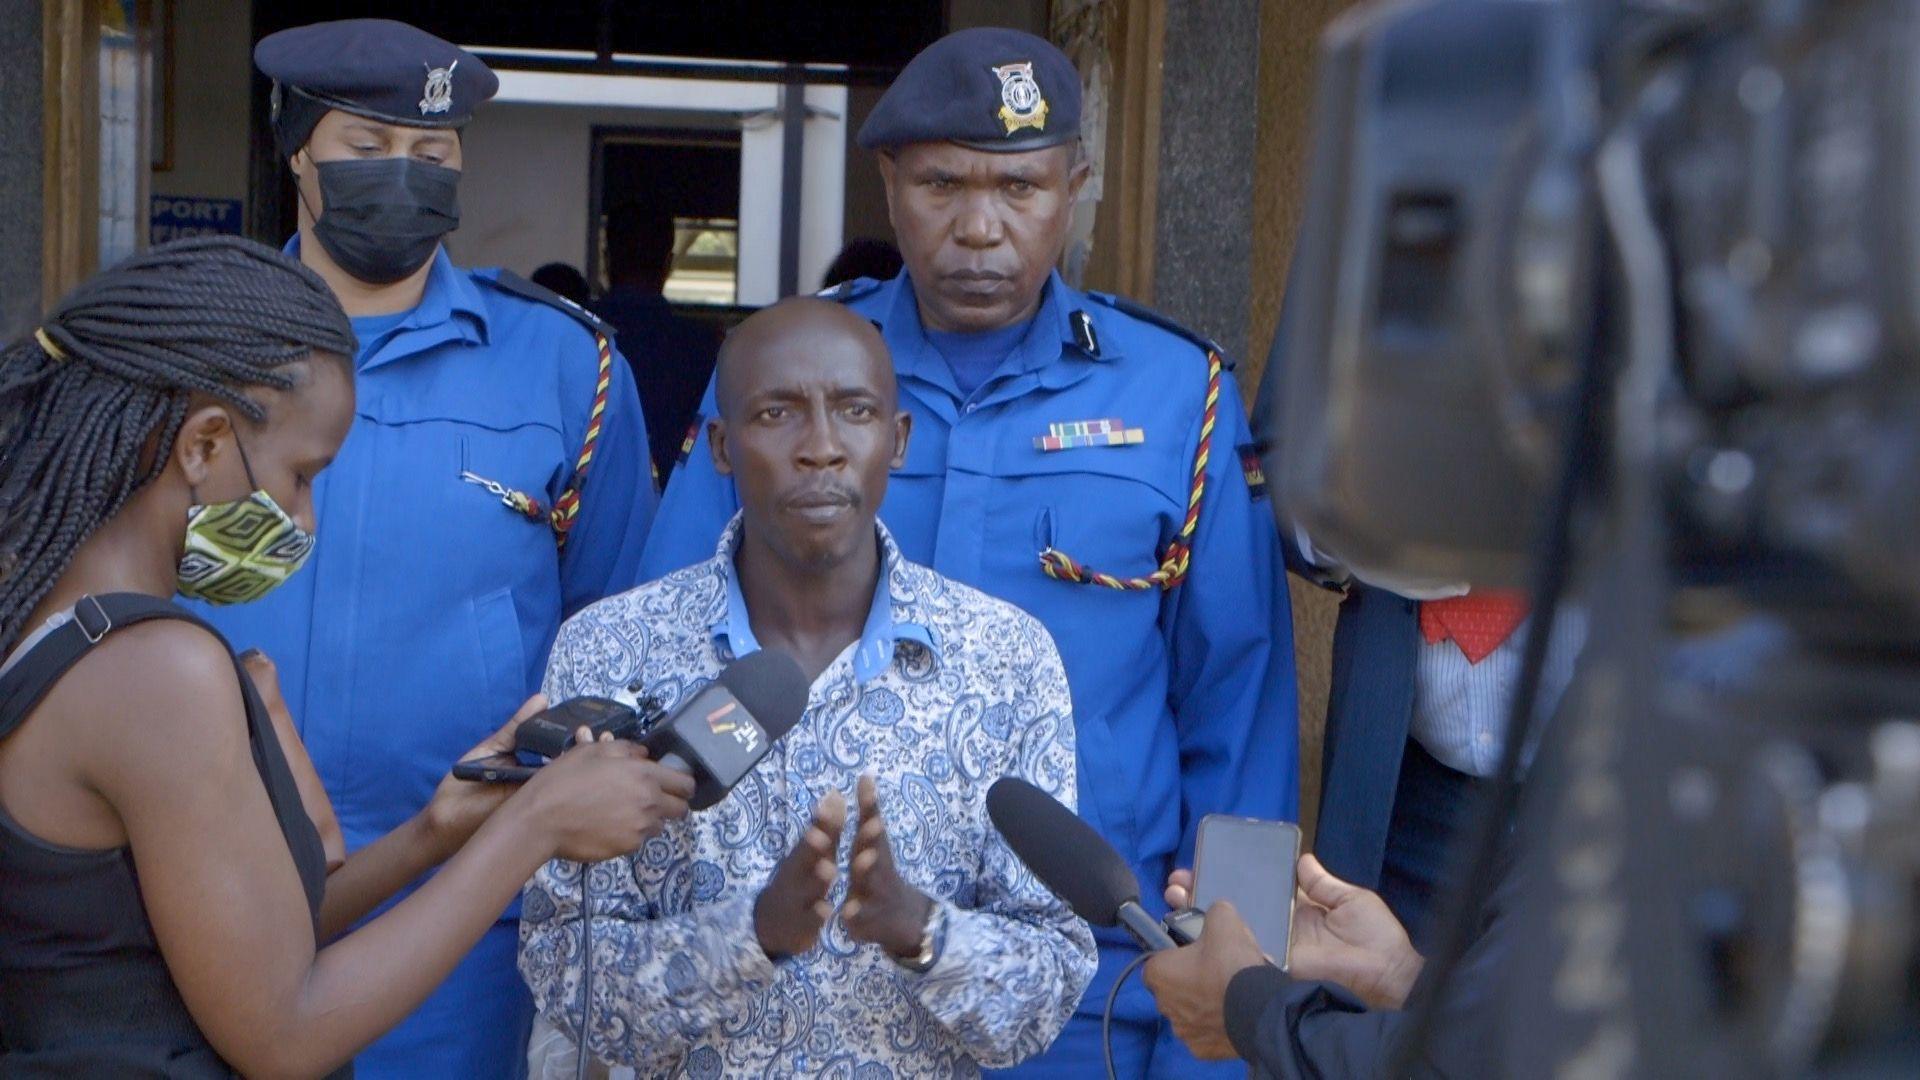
point(1021, 103)
point(438, 96)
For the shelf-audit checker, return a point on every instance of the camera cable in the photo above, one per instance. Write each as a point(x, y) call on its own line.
point(1106, 1015)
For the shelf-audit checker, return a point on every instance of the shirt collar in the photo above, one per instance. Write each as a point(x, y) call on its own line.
point(892, 616)
point(450, 308)
point(1050, 338)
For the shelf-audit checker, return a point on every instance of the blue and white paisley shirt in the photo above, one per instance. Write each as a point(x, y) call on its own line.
point(946, 691)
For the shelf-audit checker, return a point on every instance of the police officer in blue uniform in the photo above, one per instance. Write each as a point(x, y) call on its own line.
point(1061, 440)
point(494, 481)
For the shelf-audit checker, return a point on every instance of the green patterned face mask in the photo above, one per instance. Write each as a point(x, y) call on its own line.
point(240, 551)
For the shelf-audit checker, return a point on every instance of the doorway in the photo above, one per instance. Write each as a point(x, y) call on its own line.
point(694, 177)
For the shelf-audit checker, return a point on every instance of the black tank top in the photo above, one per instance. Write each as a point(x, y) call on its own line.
point(84, 990)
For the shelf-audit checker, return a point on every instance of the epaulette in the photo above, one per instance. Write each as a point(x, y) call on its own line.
point(1148, 315)
point(850, 290)
point(509, 282)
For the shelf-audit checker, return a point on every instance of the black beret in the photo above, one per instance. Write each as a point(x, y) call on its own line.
point(377, 68)
point(988, 88)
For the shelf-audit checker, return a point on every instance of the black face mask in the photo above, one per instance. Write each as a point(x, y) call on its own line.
point(381, 218)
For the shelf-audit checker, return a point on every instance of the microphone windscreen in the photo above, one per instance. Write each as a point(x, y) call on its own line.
point(771, 686)
point(1062, 851)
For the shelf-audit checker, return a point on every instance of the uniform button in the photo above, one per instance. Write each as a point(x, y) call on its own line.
point(1484, 738)
point(972, 405)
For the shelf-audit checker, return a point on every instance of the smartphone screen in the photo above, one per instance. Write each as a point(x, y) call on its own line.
point(1249, 863)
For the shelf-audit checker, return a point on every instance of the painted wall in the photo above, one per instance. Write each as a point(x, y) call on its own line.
point(212, 65)
point(1289, 48)
point(526, 191)
point(1028, 15)
point(866, 196)
point(523, 198)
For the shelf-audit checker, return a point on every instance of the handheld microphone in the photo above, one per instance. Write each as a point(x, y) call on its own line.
point(717, 736)
point(1071, 859)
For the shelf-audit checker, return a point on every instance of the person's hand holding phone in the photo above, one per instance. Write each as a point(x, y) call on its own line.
point(460, 806)
point(1341, 934)
point(1345, 934)
point(1189, 984)
point(1249, 861)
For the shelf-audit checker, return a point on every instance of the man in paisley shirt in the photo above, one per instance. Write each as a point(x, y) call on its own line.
point(783, 932)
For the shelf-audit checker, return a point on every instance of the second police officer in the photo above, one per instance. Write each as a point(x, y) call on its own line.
point(494, 480)
point(1080, 457)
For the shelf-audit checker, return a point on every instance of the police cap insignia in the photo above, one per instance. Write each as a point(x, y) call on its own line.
point(438, 95)
point(1021, 103)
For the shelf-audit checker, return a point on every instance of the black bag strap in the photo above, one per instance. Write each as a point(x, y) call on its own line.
point(29, 681)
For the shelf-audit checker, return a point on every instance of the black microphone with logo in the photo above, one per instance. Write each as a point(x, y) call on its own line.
point(717, 736)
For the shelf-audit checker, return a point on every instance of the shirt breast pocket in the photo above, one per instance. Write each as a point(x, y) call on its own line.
point(1109, 510)
point(466, 496)
point(506, 471)
point(459, 585)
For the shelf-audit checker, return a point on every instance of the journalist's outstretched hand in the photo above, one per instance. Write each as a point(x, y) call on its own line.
point(1342, 934)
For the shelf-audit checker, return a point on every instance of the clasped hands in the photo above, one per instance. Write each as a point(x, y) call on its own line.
point(1342, 934)
point(881, 907)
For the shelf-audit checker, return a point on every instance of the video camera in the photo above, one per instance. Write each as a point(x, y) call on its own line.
point(1631, 292)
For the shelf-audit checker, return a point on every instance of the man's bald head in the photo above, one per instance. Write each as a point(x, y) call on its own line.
point(761, 347)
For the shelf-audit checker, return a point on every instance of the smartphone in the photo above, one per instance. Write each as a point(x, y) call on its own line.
point(497, 769)
point(1249, 862)
point(549, 733)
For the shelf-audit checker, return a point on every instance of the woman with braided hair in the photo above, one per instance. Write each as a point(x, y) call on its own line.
point(166, 903)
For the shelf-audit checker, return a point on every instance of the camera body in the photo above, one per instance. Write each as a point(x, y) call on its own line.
point(551, 732)
point(1663, 256)
point(1442, 290)
point(1455, 275)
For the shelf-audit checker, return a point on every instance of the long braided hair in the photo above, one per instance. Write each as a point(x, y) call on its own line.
point(103, 386)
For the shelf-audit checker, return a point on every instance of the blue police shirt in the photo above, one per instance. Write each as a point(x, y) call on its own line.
point(1185, 698)
point(975, 357)
point(424, 617)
